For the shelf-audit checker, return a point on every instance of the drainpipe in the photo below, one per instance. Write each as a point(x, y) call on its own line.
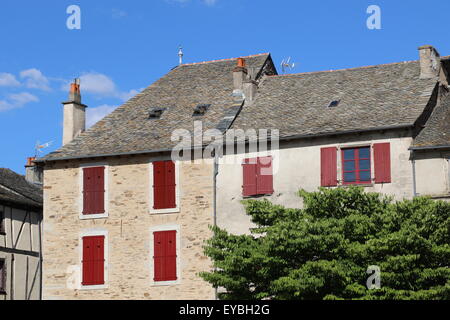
point(216, 172)
point(414, 174)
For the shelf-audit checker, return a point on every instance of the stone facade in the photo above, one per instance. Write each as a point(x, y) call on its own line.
point(128, 231)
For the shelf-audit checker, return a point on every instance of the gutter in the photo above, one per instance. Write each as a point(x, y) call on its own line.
point(430, 148)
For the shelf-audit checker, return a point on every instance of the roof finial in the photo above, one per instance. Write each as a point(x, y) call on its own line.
point(180, 54)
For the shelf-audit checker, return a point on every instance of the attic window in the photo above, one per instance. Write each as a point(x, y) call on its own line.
point(155, 113)
point(200, 110)
point(334, 103)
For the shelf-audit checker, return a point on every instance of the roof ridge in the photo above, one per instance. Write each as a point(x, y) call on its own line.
point(227, 59)
point(345, 69)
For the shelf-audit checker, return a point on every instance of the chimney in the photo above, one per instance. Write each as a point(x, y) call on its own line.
point(33, 173)
point(239, 76)
point(430, 62)
point(74, 114)
point(250, 86)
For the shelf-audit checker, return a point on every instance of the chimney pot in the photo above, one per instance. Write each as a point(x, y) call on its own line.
point(33, 173)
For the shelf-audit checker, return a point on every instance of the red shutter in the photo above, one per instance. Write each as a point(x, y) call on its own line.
point(264, 182)
point(94, 190)
point(93, 260)
point(159, 173)
point(170, 189)
point(164, 187)
point(165, 256)
point(382, 162)
point(249, 177)
point(328, 164)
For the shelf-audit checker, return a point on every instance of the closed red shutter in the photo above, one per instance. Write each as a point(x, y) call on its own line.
point(170, 189)
point(382, 162)
point(93, 260)
point(264, 183)
point(165, 256)
point(164, 186)
point(328, 164)
point(249, 177)
point(94, 190)
point(159, 201)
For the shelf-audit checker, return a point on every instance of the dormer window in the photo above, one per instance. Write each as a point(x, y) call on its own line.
point(156, 113)
point(334, 103)
point(200, 110)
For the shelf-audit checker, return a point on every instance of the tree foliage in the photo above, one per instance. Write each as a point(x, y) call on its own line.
point(324, 250)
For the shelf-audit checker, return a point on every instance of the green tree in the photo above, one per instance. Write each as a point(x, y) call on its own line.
point(324, 250)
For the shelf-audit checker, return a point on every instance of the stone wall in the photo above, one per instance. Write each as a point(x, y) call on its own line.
point(128, 231)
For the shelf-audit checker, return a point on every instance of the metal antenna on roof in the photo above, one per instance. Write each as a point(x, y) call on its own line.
point(38, 148)
point(180, 54)
point(286, 64)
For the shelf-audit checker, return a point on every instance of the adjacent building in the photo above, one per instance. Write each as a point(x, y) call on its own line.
point(20, 236)
point(129, 202)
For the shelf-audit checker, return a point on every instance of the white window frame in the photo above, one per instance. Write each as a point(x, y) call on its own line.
point(106, 195)
point(177, 190)
point(171, 227)
point(94, 233)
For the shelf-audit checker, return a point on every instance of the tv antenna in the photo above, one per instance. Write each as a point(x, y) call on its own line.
point(287, 65)
point(180, 54)
point(38, 148)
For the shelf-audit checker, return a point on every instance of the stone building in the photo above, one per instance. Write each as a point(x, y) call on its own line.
point(126, 219)
point(20, 236)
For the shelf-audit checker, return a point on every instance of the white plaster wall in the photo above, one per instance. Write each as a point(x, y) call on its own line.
point(299, 168)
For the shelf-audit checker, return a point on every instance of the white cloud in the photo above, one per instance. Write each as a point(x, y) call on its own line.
point(34, 79)
point(101, 86)
point(8, 80)
point(93, 115)
point(17, 100)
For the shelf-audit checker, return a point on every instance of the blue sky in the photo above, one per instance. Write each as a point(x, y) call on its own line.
point(124, 46)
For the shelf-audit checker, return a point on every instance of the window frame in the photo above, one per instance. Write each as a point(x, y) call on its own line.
point(357, 160)
point(176, 228)
point(177, 209)
point(81, 189)
point(94, 233)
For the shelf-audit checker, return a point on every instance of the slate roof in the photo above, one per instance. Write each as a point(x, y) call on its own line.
point(14, 189)
point(437, 129)
point(369, 97)
point(374, 97)
point(128, 129)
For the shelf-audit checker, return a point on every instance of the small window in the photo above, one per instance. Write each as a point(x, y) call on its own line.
point(156, 113)
point(356, 166)
point(2, 276)
point(2, 223)
point(200, 110)
point(93, 190)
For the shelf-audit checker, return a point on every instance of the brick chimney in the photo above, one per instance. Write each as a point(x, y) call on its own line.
point(33, 173)
point(430, 62)
point(74, 114)
point(239, 77)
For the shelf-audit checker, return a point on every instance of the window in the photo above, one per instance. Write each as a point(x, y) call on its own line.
point(356, 165)
point(165, 256)
point(2, 276)
point(93, 190)
point(156, 113)
point(164, 185)
point(2, 223)
point(257, 176)
point(93, 261)
point(200, 110)
point(356, 168)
